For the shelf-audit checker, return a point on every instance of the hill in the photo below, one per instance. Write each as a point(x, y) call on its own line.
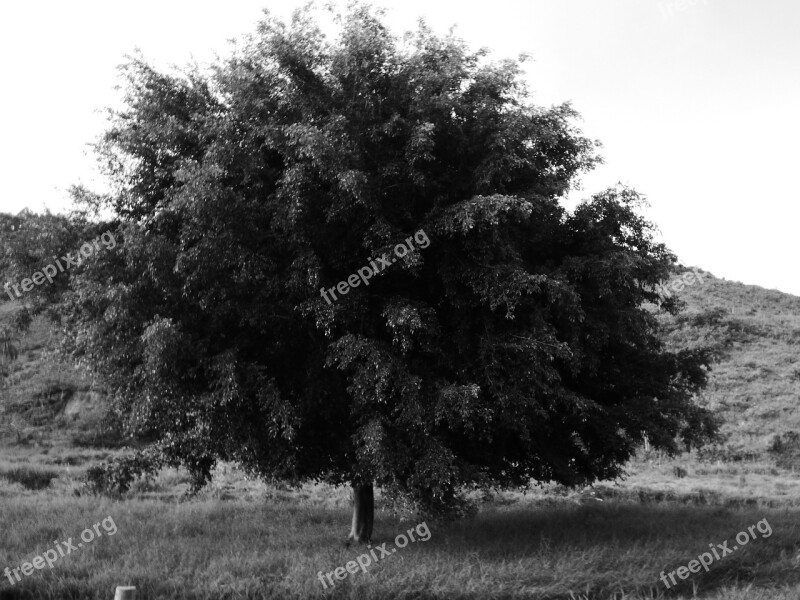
point(754, 386)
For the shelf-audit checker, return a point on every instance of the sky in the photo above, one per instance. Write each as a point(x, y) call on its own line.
point(695, 101)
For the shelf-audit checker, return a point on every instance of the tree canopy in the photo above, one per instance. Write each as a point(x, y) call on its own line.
point(517, 345)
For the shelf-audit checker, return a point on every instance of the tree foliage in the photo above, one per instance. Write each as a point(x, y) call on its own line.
point(517, 346)
point(29, 242)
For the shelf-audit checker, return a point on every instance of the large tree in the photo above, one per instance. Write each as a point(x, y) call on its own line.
point(512, 343)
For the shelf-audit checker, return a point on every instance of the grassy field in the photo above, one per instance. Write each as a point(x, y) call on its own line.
point(244, 539)
point(241, 539)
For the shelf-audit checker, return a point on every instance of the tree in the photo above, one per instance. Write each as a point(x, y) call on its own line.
point(28, 243)
point(512, 342)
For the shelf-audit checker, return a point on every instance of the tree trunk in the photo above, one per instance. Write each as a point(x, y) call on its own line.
point(363, 513)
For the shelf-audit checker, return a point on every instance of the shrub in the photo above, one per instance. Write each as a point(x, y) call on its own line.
point(115, 477)
point(31, 479)
point(709, 318)
point(786, 449)
point(724, 453)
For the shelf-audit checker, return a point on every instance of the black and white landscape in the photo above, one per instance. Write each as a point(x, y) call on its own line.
point(355, 306)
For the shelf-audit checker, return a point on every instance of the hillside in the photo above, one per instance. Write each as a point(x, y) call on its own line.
point(754, 386)
point(43, 402)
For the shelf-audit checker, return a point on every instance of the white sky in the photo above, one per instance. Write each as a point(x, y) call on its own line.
point(692, 100)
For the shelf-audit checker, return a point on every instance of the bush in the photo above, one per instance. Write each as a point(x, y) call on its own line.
point(708, 318)
point(786, 449)
point(31, 479)
point(114, 478)
point(724, 453)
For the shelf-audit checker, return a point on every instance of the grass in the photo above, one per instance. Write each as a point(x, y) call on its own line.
point(206, 548)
